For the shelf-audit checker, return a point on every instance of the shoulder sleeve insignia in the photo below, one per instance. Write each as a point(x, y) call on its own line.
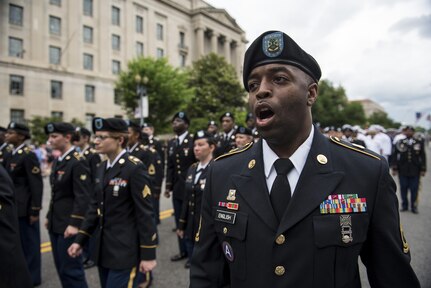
point(235, 151)
point(142, 147)
point(86, 152)
point(353, 147)
point(151, 169)
point(35, 170)
point(146, 192)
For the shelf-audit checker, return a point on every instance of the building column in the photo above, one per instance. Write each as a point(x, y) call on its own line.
point(227, 49)
point(200, 41)
point(214, 42)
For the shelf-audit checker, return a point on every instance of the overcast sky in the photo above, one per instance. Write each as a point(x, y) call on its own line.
point(375, 49)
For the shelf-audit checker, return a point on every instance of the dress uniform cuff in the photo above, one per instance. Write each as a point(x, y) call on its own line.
point(182, 224)
point(76, 220)
point(82, 237)
point(148, 252)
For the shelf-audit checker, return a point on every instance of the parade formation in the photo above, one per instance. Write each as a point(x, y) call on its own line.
point(272, 200)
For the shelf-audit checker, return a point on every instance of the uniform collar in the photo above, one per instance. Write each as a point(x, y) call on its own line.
point(133, 147)
point(17, 148)
point(110, 165)
point(298, 158)
point(182, 137)
point(65, 154)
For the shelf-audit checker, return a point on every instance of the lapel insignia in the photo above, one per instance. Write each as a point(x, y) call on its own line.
point(67, 157)
point(346, 228)
point(231, 195)
point(228, 251)
point(186, 140)
point(35, 170)
point(343, 203)
point(83, 177)
point(19, 151)
point(146, 192)
point(322, 159)
point(251, 164)
point(121, 161)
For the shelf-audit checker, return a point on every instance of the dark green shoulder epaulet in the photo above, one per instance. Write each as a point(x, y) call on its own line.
point(235, 151)
point(354, 147)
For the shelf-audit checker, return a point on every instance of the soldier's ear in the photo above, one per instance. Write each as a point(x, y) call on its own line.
point(312, 94)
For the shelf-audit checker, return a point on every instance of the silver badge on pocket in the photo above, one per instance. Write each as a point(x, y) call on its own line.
point(346, 228)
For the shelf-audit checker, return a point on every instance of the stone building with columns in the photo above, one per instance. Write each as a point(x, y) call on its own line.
point(62, 57)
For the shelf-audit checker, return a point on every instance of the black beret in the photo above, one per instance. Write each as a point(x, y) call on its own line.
point(133, 124)
point(183, 116)
point(2, 129)
point(202, 134)
point(244, 130)
point(212, 122)
point(249, 116)
point(109, 124)
point(59, 127)
point(227, 114)
point(277, 47)
point(19, 128)
point(146, 124)
point(83, 131)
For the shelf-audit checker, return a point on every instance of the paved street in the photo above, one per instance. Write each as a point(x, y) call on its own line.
point(417, 230)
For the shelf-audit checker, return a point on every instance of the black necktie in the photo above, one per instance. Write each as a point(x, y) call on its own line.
point(280, 191)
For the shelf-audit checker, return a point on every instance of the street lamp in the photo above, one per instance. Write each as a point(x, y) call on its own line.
point(141, 92)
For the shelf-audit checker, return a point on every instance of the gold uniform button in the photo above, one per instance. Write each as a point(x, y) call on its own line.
point(225, 230)
point(279, 270)
point(280, 239)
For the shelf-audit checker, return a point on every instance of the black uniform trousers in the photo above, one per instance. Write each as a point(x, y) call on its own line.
point(30, 242)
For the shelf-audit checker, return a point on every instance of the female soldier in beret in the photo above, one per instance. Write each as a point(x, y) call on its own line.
point(121, 210)
point(204, 146)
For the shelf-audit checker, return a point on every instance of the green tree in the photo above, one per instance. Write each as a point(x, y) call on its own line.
point(383, 119)
point(167, 90)
point(217, 90)
point(332, 107)
point(37, 127)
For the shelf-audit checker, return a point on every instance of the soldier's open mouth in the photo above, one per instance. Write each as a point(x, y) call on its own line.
point(264, 113)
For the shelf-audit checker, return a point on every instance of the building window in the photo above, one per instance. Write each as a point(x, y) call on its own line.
point(88, 61)
point(117, 96)
point(115, 16)
point(160, 53)
point(115, 42)
point(56, 89)
point(182, 60)
point(89, 93)
point(15, 47)
point(54, 55)
point(88, 8)
point(182, 39)
point(88, 34)
point(159, 31)
point(116, 67)
point(15, 14)
point(16, 85)
point(17, 115)
point(55, 2)
point(57, 115)
point(139, 49)
point(54, 25)
point(89, 120)
point(139, 24)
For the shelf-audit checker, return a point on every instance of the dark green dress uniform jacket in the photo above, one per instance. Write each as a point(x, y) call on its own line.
point(92, 158)
point(24, 169)
point(191, 210)
point(306, 249)
point(180, 158)
point(70, 190)
point(122, 216)
point(149, 158)
point(5, 151)
point(409, 157)
point(13, 267)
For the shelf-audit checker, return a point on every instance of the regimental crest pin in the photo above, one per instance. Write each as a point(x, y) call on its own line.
point(273, 44)
point(231, 195)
